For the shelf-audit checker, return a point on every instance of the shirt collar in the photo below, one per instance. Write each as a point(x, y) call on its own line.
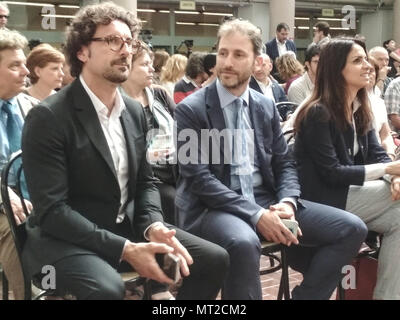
point(278, 42)
point(226, 98)
point(99, 106)
point(13, 102)
point(356, 105)
point(189, 80)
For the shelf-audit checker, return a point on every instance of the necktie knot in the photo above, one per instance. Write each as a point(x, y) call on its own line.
point(14, 127)
point(6, 107)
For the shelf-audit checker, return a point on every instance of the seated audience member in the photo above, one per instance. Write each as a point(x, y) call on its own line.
point(13, 108)
point(392, 102)
point(263, 83)
point(302, 87)
point(209, 67)
point(382, 58)
point(158, 108)
point(160, 59)
point(390, 46)
point(289, 69)
point(194, 76)
point(172, 72)
point(45, 65)
point(93, 190)
point(246, 194)
point(339, 160)
point(380, 117)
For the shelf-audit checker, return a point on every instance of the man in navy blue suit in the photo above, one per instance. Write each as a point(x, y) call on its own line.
point(280, 44)
point(238, 188)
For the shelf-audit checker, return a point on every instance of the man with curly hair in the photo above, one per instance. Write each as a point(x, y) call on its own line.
point(97, 208)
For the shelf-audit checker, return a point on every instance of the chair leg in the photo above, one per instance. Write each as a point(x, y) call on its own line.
point(285, 274)
point(340, 290)
point(147, 290)
point(5, 285)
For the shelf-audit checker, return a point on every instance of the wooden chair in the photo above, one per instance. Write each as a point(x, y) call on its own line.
point(18, 232)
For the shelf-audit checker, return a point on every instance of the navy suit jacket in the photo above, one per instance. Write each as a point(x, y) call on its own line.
point(272, 48)
point(206, 186)
point(279, 94)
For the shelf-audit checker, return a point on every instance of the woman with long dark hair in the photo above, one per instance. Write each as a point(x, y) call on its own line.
point(340, 161)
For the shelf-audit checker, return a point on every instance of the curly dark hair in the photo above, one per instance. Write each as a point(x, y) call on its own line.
point(84, 26)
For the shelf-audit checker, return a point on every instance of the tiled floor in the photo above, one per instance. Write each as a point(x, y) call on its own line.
point(270, 282)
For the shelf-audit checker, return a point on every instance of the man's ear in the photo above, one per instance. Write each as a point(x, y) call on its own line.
point(258, 61)
point(83, 54)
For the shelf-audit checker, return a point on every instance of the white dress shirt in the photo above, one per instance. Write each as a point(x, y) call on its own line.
point(114, 134)
point(266, 89)
point(281, 47)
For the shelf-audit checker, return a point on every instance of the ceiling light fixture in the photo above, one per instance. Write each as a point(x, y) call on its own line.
point(33, 4)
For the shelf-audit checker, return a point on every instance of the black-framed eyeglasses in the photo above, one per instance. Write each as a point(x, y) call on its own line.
point(115, 43)
point(4, 16)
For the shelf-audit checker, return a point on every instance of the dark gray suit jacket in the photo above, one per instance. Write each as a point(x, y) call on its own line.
point(203, 187)
point(73, 184)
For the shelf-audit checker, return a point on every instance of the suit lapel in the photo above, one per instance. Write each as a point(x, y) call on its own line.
point(214, 110)
point(89, 120)
point(130, 132)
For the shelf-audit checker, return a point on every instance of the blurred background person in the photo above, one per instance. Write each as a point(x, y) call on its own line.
point(380, 117)
point(390, 46)
point(158, 108)
point(321, 33)
point(45, 64)
point(4, 15)
point(172, 72)
point(262, 82)
point(159, 61)
point(194, 76)
point(289, 69)
point(210, 61)
point(302, 87)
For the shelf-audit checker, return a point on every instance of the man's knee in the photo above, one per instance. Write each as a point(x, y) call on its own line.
point(355, 228)
point(245, 244)
point(107, 289)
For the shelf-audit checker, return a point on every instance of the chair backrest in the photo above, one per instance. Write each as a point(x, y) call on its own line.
point(18, 231)
point(286, 108)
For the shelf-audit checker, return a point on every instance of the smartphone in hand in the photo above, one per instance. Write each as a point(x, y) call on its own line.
point(170, 264)
point(292, 225)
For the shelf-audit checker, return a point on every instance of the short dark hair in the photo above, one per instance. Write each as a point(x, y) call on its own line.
point(281, 26)
point(323, 26)
point(84, 26)
point(312, 51)
point(385, 43)
point(195, 64)
point(210, 61)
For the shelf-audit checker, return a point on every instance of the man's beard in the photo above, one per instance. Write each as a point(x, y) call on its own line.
point(235, 81)
point(118, 76)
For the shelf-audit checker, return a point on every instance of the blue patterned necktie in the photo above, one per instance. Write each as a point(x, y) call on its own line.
point(244, 170)
point(14, 130)
point(14, 126)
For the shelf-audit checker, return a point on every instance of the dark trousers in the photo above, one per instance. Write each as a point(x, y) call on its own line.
point(91, 277)
point(332, 236)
